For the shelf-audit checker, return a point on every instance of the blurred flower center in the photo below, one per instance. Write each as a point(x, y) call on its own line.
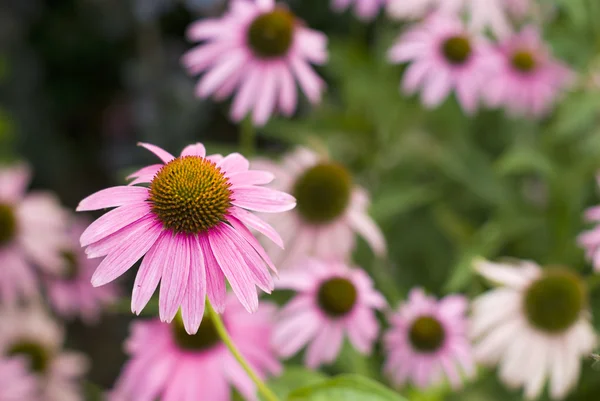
point(323, 192)
point(206, 337)
point(427, 334)
point(337, 296)
point(523, 61)
point(8, 224)
point(554, 302)
point(190, 195)
point(456, 49)
point(271, 34)
point(35, 353)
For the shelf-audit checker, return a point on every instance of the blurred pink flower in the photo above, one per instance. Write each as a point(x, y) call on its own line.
point(31, 233)
point(444, 56)
point(536, 326)
point(415, 9)
point(70, 292)
point(528, 79)
point(33, 335)
point(191, 225)
point(258, 49)
point(590, 239)
point(330, 210)
point(428, 340)
point(333, 300)
point(168, 364)
point(365, 9)
point(16, 383)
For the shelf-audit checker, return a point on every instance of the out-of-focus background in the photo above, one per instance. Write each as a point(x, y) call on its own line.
point(82, 81)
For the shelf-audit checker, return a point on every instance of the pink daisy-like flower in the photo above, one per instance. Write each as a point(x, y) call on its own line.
point(590, 239)
point(528, 79)
point(535, 326)
point(428, 341)
point(31, 232)
point(259, 49)
point(168, 364)
point(16, 383)
point(192, 226)
point(333, 300)
point(330, 209)
point(32, 335)
point(365, 9)
point(443, 57)
point(70, 292)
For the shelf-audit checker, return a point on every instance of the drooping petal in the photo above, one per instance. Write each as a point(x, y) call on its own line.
point(174, 276)
point(159, 152)
point(149, 274)
point(113, 221)
point(262, 199)
point(113, 197)
point(192, 308)
point(256, 223)
point(215, 279)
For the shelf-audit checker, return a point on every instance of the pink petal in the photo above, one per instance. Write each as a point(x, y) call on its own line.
point(192, 308)
point(220, 73)
point(145, 174)
point(366, 227)
point(247, 236)
point(325, 346)
point(196, 149)
point(215, 279)
point(113, 221)
point(292, 334)
point(14, 181)
point(266, 99)
point(174, 277)
point(234, 163)
point(288, 95)
point(254, 222)
point(112, 197)
point(161, 153)
point(235, 269)
point(309, 81)
point(246, 96)
point(262, 199)
point(251, 177)
point(149, 274)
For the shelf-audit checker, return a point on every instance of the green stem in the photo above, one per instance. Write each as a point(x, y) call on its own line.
point(262, 387)
point(247, 137)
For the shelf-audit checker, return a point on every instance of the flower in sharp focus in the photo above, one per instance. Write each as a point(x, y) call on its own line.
point(333, 301)
point(259, 50)
point(31, 232)
point(168, 364)
point(535, 326)
point(330, 209)
point(590, 240)
point(443, 57)
point(16, 383)
point(528, 79)
point(70, 292)
point(191, 225)
point(365, 9)
point(31, 335)
point(428, 341)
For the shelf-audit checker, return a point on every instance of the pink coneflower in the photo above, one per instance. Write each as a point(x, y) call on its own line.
point(528, 79)
point(191, 225)
point(168, 364)
point(365, 9)
point(70, 292)
point(590, 240)
point(16, 383)
point(330, 210)
point(428, 341)
point(332, 301)
point(31, 232)
point(536, 326)
point(31, 335)
point(444, 56)
point(259, 49)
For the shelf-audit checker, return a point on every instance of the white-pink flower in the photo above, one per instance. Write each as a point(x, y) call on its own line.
point(70, 292)
point(428, 341)
point(32, 230)
point(366, 10)
point(333, 301)
point(257, 50)
point(444, 57)
point(528, 80)
point(330, 210)
point(168, 364)
point(16, 382)
point(191, 228)
point(32, 335)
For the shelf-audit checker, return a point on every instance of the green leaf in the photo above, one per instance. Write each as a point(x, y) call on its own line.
point(346, 388)
point(294, 377)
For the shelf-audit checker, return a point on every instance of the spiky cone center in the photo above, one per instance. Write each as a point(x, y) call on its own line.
point(427, 334)
point(337, 297)
point(8, 223)
point(207, 336)
point(457, 49)
point(190, 195)
point(523, 61)
point(35, 353)
point(271, 34)
point(323, 192)
point(554, 302)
